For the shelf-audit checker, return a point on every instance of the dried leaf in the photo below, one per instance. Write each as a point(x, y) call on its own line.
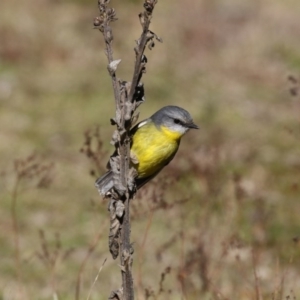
point(112, 67)
point(114, 163)
point(114, 247)
point(135, 118)
point(116, 295)
point(120, 208)
point(114, 230)
point(97, 21)
point(127, 86)
point(142, 19)
point(151, 45)
point(113, 121)
point(115, 138)
point(159, 39)
point(129, 109)
point(122, 268)
point(131, 179)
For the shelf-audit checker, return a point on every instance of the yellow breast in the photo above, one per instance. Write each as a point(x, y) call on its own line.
point(153, 148)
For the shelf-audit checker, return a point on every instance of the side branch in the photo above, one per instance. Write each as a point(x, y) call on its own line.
point(146, 37)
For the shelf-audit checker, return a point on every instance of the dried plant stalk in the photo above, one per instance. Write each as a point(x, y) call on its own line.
point(128, 96)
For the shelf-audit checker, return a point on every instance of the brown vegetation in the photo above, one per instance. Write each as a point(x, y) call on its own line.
point(222, 220)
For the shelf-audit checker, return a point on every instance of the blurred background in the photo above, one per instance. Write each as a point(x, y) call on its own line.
point(222, 220)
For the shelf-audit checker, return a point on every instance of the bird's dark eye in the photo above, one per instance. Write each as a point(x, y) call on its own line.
point(176, 121)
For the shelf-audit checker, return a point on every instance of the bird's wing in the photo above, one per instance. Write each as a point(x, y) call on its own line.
point(133, 130)
point(142, 181)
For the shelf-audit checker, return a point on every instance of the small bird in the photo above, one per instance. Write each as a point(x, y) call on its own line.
point(155, 142)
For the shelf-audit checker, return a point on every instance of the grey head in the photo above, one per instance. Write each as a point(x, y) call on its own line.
point(174, 118)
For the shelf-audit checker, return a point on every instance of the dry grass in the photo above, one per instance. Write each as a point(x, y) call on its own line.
point(226, 224)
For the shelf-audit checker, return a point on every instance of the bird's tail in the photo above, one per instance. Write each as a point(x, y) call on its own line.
point(105, 183)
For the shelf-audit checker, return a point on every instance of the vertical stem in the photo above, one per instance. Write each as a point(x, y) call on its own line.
point(125, 248)
point(125, 103)
point(109, 53)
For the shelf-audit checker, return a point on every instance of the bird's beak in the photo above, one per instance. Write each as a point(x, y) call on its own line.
point(192, 126)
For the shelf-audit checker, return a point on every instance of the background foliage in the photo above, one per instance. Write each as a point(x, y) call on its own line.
point(222, 221)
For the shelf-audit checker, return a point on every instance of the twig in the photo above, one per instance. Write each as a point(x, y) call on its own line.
point(96, 278)
point(142, 248)
point(147, 36)
point(83, 264)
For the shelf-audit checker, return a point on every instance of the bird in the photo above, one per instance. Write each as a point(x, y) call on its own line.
point(155, 142)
